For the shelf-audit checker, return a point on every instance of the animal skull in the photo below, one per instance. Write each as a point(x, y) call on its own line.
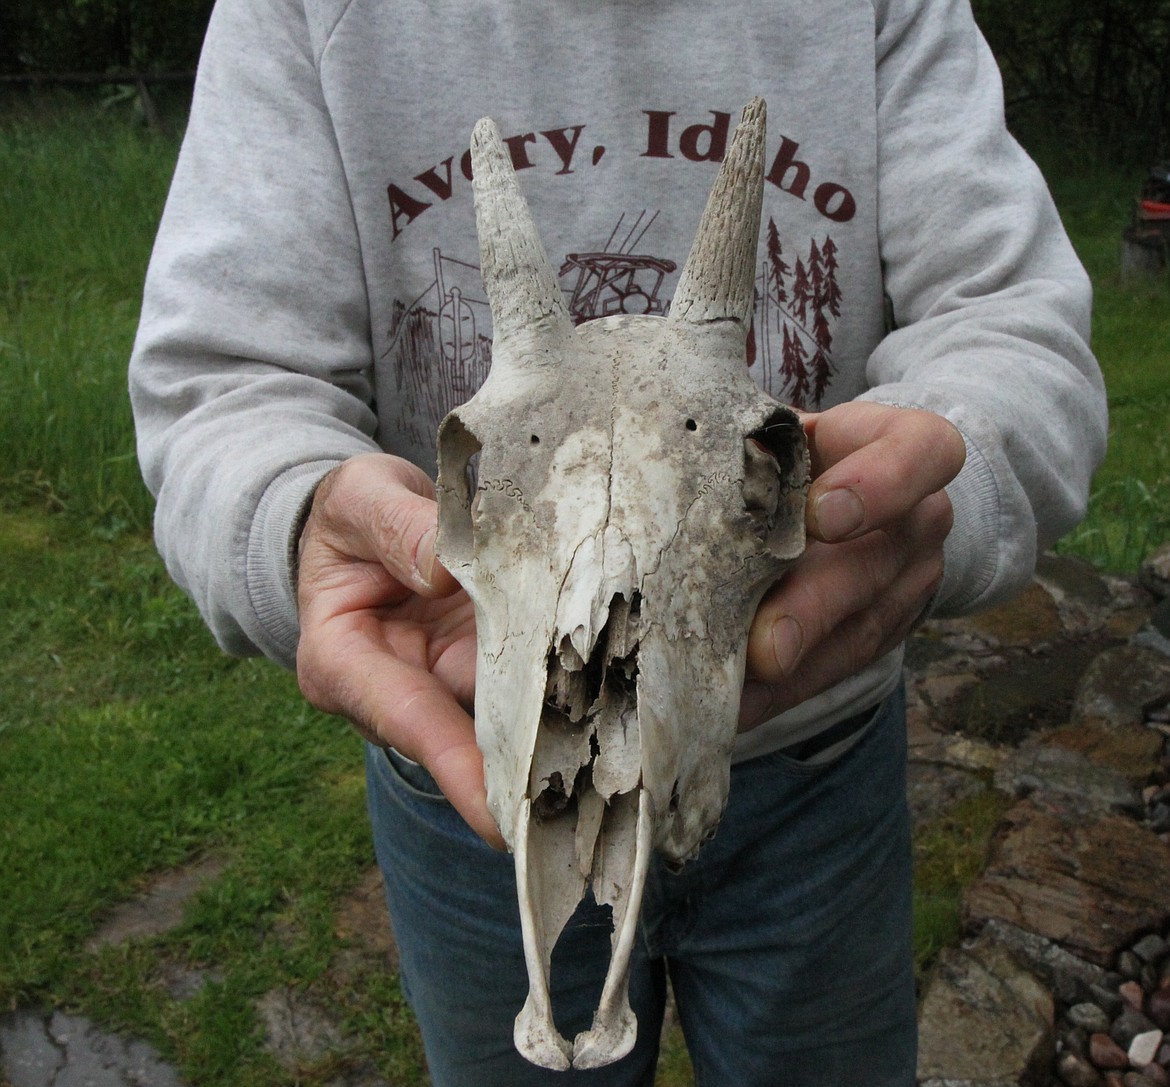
point(636, 496)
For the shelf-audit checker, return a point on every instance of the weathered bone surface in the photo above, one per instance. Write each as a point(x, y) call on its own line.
point(616, 499)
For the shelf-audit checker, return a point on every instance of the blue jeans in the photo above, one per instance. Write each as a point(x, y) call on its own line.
point(787, 940)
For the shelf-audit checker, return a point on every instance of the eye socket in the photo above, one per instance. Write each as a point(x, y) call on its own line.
point(776, 438)
point(459, 452)
point(534, 439)
point(692, 425)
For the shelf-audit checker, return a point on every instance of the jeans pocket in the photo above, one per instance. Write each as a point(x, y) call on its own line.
point(824, 751)
point(412, 777)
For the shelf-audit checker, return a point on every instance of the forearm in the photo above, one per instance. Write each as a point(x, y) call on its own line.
point(991, 304)
point(250, 375)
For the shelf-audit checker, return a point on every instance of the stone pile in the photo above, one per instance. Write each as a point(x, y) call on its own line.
point(1061, 700)
point(1120, 1037)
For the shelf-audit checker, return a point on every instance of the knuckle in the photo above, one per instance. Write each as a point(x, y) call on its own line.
point(314, 673)
point(869, 635)
point(308, 680)
point(940, 514)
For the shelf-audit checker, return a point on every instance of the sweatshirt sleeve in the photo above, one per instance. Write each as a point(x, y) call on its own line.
point(990, 303)
point(251, 373)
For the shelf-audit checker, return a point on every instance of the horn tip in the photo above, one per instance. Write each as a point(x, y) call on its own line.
point(485, 132)
point(755, 111)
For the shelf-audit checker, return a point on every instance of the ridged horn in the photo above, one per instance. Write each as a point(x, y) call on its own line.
point(520, 282)
point(718, 282)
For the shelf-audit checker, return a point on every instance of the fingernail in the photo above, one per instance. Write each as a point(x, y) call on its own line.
point(787, 642)
point(753, 703)
point(838, 513)
point(426, 555)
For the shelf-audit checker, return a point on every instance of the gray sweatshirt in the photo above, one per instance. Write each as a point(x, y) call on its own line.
point(314, 293)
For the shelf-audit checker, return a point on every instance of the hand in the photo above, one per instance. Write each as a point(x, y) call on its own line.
point(387, 636)
point(877, 516)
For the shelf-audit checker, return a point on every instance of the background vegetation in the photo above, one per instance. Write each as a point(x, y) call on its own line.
point(1091, 73)
point(55, 36)
point(130, 745)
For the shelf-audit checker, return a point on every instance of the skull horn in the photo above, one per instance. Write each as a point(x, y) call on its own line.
point(520, 282)
point(718, 282)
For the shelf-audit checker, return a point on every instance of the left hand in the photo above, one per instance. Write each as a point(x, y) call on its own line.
point(877, 516)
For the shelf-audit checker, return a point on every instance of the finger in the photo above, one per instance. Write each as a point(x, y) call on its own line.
point(393, 703)
point(435, 731)
point(858, 640)
point(832, 582)
point(873, 463)
point(380, 508)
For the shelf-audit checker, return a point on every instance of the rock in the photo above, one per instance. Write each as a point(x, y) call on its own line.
point(1069, 776)
point(941, 689)
point(1131, 750)
point(1046, 872)
point(1157, 1075)
point(1136, 1079)
point(1144, 1048)
point(1089, 1017)
point(296, 1030)
point(1154, 573)
point(1128, 1025)
point(1129, 965)
point(1032, 691)
point(1155, 634)
point(184, 982)
point(1107, 999)
point(1070, 978)
point(52, 1050)
point(933, 1082)
point(1160, 618)
point(932, 790)
point(958, 752)
point(1075, 1071)
point(1150, 948)
point(1076, 1039)
point(1119, 683)
point(1083, 597)
point(1160, 818)
point(1131, 992)
point(985, 1019)
point(159, 908)
point(1029, 619)
point(1105, 1053)
point(1158, 1006)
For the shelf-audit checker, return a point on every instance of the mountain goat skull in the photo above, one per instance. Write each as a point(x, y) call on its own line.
point(635, 496)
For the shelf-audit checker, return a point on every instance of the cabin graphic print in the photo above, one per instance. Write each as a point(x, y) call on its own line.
point(439, 342)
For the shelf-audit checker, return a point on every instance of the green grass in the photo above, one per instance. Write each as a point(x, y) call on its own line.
point(77, 232)
point(1129, 511)
point(949, 852)
point(130, 745)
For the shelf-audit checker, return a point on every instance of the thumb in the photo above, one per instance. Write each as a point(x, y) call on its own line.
point(380, 508)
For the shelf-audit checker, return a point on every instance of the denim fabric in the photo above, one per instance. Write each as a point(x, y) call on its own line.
point(787, 939)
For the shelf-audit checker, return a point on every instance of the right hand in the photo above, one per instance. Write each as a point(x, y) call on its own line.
point(387, 635)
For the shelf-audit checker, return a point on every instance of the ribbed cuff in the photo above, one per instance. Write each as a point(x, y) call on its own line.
point(272, 548)
point(971, 551)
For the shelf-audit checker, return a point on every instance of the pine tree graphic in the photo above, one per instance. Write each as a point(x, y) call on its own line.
point(805, 301)
point(801, 292)
point(795, 368)
point(821, 364)
point(832, 300)
point(778, 268)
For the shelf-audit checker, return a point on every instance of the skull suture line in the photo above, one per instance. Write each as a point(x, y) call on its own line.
point(636, 496)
